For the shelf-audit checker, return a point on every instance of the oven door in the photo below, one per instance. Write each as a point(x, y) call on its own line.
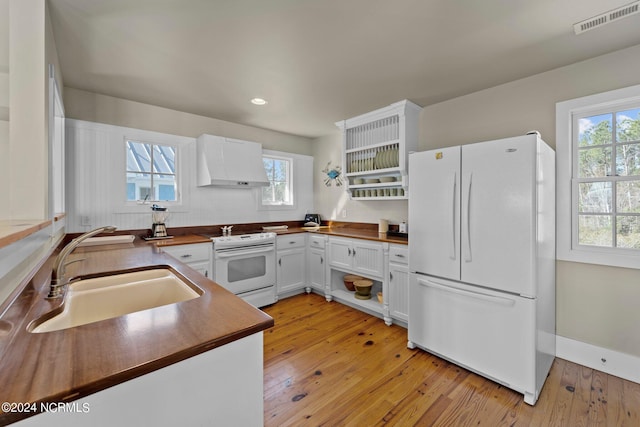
point(245, 269)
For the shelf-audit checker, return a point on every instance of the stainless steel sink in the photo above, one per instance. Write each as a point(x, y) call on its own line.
point(106, 297)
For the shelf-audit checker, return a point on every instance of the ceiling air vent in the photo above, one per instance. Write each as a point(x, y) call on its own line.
point(607, 17)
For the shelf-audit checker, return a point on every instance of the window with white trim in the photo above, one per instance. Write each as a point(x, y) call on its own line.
point(151, 172)
point(598, 148)
point(280, 189)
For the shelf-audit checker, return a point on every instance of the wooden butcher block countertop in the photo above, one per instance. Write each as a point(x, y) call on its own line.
point(69, 364)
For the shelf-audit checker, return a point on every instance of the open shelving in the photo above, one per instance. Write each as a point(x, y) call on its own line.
point(376, 147)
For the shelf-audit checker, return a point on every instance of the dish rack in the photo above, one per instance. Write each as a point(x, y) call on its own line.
point(375, 151)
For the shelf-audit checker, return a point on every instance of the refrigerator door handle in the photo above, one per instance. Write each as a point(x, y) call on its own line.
point(467, 223)
point(430, 283)
point(453, 216)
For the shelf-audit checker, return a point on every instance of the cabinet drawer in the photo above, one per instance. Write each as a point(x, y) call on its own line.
point(316, 241)
point(189, 253)
point(290, 241)
point(398, 254)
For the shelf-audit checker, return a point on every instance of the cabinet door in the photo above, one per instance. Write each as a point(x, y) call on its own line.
point(398, 291)
point(316, 269)
point(367, 258)
point(197, 256)
point(290, 271)
point(201, 267)
point(340, 253)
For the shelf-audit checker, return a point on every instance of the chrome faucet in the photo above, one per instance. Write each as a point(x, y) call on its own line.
point(58, 281)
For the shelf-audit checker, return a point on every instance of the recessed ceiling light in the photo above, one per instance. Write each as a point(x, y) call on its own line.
point(258, 101)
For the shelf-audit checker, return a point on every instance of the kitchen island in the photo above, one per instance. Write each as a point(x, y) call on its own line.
point(159, 364)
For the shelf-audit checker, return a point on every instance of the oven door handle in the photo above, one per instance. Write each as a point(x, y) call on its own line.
point(236, 253)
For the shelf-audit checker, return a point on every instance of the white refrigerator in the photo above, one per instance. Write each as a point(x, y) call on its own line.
point(482, 258)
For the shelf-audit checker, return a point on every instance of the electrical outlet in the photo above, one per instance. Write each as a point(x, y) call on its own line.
point(344, 213)
point(85, 220)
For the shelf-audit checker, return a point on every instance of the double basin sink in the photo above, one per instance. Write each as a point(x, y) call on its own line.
point(106, 297)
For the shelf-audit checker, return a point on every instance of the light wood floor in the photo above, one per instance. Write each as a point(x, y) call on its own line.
point(329, 365)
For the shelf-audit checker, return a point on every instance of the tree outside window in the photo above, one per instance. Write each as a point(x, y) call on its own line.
point(607, 179)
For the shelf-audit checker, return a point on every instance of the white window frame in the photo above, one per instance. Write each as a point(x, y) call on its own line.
point(292, 187)
point(567, 200)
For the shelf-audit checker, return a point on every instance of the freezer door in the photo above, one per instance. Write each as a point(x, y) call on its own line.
point(491, 333)
point(498, 214)
point(434, 211)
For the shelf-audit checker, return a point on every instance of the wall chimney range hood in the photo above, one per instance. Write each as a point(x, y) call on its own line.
point(227, 162)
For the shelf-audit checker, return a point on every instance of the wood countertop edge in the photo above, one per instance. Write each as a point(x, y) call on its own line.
point(144, 359)
point(15, 230)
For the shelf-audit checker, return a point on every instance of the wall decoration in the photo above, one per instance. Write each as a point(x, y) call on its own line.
point(332, 175)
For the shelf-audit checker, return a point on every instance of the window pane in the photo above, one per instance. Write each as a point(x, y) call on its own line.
point(628, 196)
point(268, 168)
point(594, 197)
point(628, 232)
point(166, 192)
point(594, 162)
point(138, 157)
point(267, 195)
point(163, 159)
point(595, 130)
point(138, 186)
point(280, 172)
point(594, 230)
point(628, 159)
point(628, 125)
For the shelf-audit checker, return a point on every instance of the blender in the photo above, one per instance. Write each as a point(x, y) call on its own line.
point(160, 215)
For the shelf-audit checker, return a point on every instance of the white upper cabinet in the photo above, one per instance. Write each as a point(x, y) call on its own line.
point(375, 149)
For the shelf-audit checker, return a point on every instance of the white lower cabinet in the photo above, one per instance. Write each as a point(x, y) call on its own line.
point(358, 256)
point(316, 263)
point(290, 264)
point(364, 258)
point(398, 289)
point(196, 255)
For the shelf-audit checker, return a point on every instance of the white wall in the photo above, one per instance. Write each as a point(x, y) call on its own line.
point(96, 184)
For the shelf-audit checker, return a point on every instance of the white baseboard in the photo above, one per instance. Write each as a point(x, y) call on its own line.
point(612, 362)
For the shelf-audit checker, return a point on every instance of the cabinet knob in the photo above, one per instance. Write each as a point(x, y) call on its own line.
point(186, 256)
point(280, 262)
point(354, 252)
point(321, 260)
point(390, 276)
point(349, 249)
point(292, 242)
point(400, 255)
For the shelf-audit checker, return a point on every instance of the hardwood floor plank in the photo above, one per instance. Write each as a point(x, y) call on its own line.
point(630, 404)
point(327, 364)
point(579, 413)
point(598, 404)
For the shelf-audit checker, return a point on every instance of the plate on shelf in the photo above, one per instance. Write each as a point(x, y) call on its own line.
point(388, 179)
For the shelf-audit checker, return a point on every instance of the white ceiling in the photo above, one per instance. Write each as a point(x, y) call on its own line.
point(318, 61)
